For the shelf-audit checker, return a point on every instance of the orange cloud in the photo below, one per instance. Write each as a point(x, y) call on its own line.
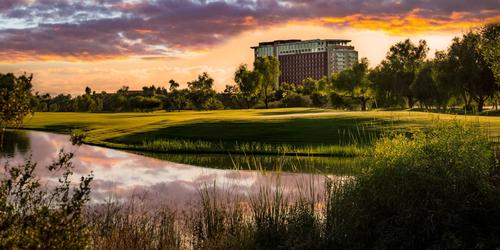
point(407, 25)
point(144, 31)
point(27, 56)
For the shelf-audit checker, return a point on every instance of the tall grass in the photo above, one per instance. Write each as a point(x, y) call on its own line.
point(256, 148)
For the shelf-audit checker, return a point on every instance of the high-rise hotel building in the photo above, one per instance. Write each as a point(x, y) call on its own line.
point(312, 58)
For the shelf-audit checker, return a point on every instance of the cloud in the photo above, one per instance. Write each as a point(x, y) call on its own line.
point(113, 29)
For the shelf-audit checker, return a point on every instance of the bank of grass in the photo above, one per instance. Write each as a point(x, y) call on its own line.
point(437, 189)
point(300, 131)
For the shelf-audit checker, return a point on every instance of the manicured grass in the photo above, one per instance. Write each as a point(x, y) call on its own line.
point(304, 131)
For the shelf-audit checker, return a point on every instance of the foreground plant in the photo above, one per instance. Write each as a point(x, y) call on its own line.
point(433, 190)
point(33, 216)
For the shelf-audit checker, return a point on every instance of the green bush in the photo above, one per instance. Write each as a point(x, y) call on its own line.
point(319, 100)
point(37, 217)
point(433, 190)
point(296, 100)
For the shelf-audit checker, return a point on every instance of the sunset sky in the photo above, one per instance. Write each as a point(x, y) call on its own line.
point(104, 44)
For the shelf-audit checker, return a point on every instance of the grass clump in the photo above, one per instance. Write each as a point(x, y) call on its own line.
point(433, 190)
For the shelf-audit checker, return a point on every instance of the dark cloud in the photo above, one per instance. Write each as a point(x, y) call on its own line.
point(109, 28)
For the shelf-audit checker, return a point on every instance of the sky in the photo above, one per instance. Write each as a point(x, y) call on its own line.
point(105, 44)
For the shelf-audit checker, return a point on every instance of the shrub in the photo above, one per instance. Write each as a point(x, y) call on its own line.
point(431, 190)
point(213, 104)
point(33, 217)
point(296, 100)
point(319, 100)
point(336, 101)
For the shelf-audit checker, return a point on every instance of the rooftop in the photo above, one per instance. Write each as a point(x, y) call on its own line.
point(276, 42)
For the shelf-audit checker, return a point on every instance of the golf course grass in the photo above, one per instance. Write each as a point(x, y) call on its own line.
point(298, 131)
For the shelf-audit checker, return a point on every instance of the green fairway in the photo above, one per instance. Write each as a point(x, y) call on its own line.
point(301, 130)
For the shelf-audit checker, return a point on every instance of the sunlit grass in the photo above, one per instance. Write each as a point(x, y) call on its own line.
point(302, 131)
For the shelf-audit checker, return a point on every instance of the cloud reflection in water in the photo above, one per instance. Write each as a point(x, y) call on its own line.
point(120, 175)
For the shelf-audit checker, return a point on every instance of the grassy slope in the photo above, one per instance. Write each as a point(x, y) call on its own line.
point(300, 127)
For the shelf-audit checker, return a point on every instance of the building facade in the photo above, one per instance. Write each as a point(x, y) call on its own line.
point(312, 58)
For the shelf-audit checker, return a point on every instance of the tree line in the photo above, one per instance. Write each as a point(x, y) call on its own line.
point(465, 75)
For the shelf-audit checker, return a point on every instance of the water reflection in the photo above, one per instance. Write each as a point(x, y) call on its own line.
point(121, 174)
point(16, 142)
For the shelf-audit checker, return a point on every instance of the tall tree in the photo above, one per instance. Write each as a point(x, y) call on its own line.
point(15, 101)
point(354, 83)
point(471, 72)
point(267, 70)
point(173, 85)
point(401, 63)
point(490, 48)
point(424, 87)
point(248, 84)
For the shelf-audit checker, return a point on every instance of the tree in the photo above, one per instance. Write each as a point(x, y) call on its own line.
point(15, 101)
point(201, 92)
point(173, 85)
point(267, 73)
point(424, 86)
point(401, 65)
point(354, 83)
point(490, 48)
point(443, 76)
point(248, 84)
point(471, 72)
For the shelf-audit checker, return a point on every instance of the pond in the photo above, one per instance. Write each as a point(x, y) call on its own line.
point(175, 179)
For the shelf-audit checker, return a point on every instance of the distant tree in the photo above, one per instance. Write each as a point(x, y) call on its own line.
point(285, 90)
point(248, 84)
point(308, 86)
point(267, 72)
point(231, 97)
point(385, 95)
point(178, 100)
point(354, 83)
point(149, 91)
point(400, 67)
point(123, 90)
point(173, 85)
point(201, 92)
point(15, 101)
point(231, 90)
point(89, 102)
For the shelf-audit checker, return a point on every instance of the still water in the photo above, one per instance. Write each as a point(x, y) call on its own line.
point(121, 175)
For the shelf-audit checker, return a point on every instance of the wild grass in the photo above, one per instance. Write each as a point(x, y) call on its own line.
point(270, 163)
point(177, 146)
